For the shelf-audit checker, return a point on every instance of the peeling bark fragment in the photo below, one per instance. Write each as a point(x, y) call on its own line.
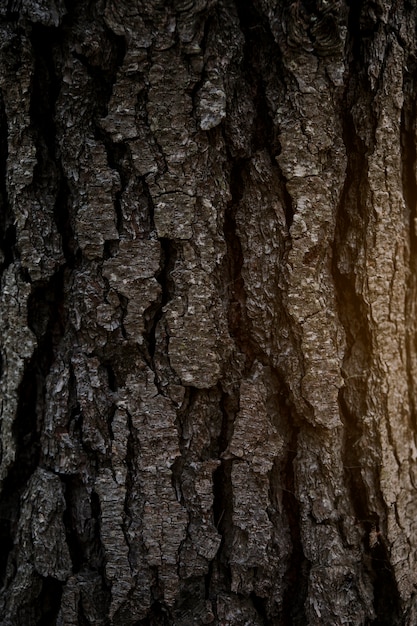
point(230, 608)
point(163, 517)
point(203, 539)
point(169, 116)
point(45, 12)
point(97, 184)
point(112, 494)
point(94, 400)
point(253, 448)
point(132, 273)
point(25, 587)
point(32, 200)
point(174, 215)
point(111, 487)
point(127, 20)
point(41, 533)
point(385, 293)
point(82, 595)
point(264, 244)
point(17, 344)
point(211, 107)
point(196, 328)
point(61, 448)
point(311, 177)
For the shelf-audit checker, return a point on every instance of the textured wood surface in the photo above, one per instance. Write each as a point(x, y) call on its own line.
point(208, 263)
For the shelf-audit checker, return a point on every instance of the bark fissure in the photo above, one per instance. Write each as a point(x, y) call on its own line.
point(49, 601)
point(261, 48)
point(26, 436)
point(409, 161)
point(239, 324)
point(117, 158)
point(154, 314)
point(297, 574)
point(223, 495)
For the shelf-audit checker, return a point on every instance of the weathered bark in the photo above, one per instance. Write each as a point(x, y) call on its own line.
point(207, 312)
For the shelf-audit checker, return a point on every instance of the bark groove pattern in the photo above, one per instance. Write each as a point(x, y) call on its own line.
point(208, 362)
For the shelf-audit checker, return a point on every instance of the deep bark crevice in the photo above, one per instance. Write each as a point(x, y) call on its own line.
point(409, 160)
point(352, 217)
point(7, 245)
point(75, 545)
point(47, 316)
point(158, 616)
point(45, 88)
point(123, 305)
point(49, 601)
point(222, 487)
point(83, 541)
point(26, 436)
point(239, 322)
point(286, 199)
point(260, 606)
point(46, 85)
point(387, 602)
point(259, 46)
point(260, 53)
point(222, 514)
point(352, 464)
point(9, 512)
point(63, 221)
point(45, 320)
point(223, 497)
point(98, 562)
point(353, 313)
point(118, 158)
point(103, 75)
point(12, 12)
point(154, 313)
point(298, 572)
point(131, 483)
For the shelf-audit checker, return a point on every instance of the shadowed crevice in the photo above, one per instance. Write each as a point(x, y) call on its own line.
point(240, 325)
point(262, 61)
point(97, 549)
point(297, 575)
point(26, 436)
point(360, 442)
point(154, 313)
point(46, 320)
point(409, 183)
point(219, 576)
point(49, 601)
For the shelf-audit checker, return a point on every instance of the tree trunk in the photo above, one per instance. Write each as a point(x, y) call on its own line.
point(208, 312)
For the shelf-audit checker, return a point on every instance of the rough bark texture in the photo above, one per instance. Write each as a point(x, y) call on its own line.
point(208, 238)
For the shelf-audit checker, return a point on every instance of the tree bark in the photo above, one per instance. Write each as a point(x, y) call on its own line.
point(208, 237)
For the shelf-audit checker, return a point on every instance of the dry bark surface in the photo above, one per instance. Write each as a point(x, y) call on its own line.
point(208, 312)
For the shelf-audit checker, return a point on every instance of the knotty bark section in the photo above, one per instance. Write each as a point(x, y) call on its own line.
point(207, 312)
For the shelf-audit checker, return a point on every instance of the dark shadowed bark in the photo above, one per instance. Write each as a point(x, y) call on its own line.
point(208, 312)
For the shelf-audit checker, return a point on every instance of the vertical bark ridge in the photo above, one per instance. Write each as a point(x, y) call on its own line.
point(370, 80)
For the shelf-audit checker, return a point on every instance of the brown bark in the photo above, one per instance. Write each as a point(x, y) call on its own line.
point(207, 312)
